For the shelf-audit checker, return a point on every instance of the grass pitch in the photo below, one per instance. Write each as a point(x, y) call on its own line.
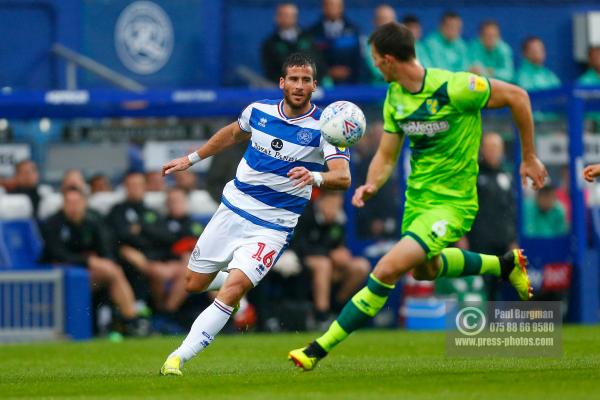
point(370, 365)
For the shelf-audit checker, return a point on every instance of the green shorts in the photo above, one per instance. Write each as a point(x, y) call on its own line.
point(435, 227)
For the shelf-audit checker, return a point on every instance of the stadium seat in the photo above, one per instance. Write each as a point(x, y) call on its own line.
point(156, 201)
point(201, 204)
point(50, 204)
point(102, 202)
point(15, 206)
point(22, 243)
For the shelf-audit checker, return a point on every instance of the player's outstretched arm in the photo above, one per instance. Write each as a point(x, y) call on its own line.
point(380, 169)
point(336, 178)
point(507, 95)
point(591, 171)
point(223, 139)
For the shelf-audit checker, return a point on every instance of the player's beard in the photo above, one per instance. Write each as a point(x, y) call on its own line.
point(295, 106)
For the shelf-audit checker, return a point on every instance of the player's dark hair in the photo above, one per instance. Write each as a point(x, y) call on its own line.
point(394, 39)
point(486, 23)
point(299, 60)
point(411, 19)
point(448, 15)
point(528, 40)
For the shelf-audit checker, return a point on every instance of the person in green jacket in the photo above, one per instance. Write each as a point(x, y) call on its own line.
point(591, 77)
point(489, 55)
point(544, 216)
point(533, 75)
point(412, 22)
point(381, 16)
point(446, 49)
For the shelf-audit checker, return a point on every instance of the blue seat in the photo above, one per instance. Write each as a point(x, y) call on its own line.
point(21, 242)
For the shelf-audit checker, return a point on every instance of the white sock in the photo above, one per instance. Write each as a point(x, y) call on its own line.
point(218, 282)
point(204, 329)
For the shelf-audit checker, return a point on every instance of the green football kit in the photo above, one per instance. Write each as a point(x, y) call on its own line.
point(443, 124)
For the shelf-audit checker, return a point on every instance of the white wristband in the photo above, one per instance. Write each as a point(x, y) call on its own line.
point(317, 178)
point(194, 157)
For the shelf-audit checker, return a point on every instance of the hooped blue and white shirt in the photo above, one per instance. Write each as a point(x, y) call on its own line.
point(261, 191)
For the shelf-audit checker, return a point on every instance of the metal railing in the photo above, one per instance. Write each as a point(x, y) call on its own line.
point(31, 305)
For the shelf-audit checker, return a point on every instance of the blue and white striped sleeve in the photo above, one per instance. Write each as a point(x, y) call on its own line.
point(330, 152)
point(244, 119)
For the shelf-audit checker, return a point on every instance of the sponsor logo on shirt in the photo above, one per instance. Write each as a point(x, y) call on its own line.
point(276, 154)
point(277, 144)
point(427, 128)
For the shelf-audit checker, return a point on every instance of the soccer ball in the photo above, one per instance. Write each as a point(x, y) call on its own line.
point(342, 123)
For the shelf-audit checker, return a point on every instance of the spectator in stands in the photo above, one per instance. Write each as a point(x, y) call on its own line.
point(412, 22)
point(338, 43)
point(287, 38)
point(73, 178)
point(154, 181)
point(142, 235)
point(381, 16)
point(26, 181)
point(446, 49)
point(377, 219)
point(544, 216)
point(77, 237)
point(493, 231)
point(184, 232)
point(591, 77)
point(319, 240)
point(187, 180)
point(489, 55)
point(222, 169)
point(533, 75)
point(100, 183)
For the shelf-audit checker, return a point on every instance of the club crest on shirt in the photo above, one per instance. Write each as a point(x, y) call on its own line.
point(304, 136)
point(432, 106)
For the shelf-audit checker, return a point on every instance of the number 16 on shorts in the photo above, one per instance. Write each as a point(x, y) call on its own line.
point(265, 259)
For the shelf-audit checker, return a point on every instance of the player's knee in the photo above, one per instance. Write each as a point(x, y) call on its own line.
point(232, 292)
point(421, 274)
point(387, 272)
point(425, 272)
point(194, 285)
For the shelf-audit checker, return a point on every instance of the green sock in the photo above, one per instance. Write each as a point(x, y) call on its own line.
point(357, 313)
point(458, 262)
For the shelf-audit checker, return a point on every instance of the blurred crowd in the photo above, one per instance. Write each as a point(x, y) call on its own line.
point(343, 56)
point(134, 236)
point(135, 241)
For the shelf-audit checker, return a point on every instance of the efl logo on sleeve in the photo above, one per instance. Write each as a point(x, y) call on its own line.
point(477, 84)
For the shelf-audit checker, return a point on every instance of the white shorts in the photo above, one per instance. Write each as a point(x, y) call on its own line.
point(232, 242)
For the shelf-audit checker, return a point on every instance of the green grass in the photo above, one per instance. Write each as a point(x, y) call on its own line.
point(370, 365)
